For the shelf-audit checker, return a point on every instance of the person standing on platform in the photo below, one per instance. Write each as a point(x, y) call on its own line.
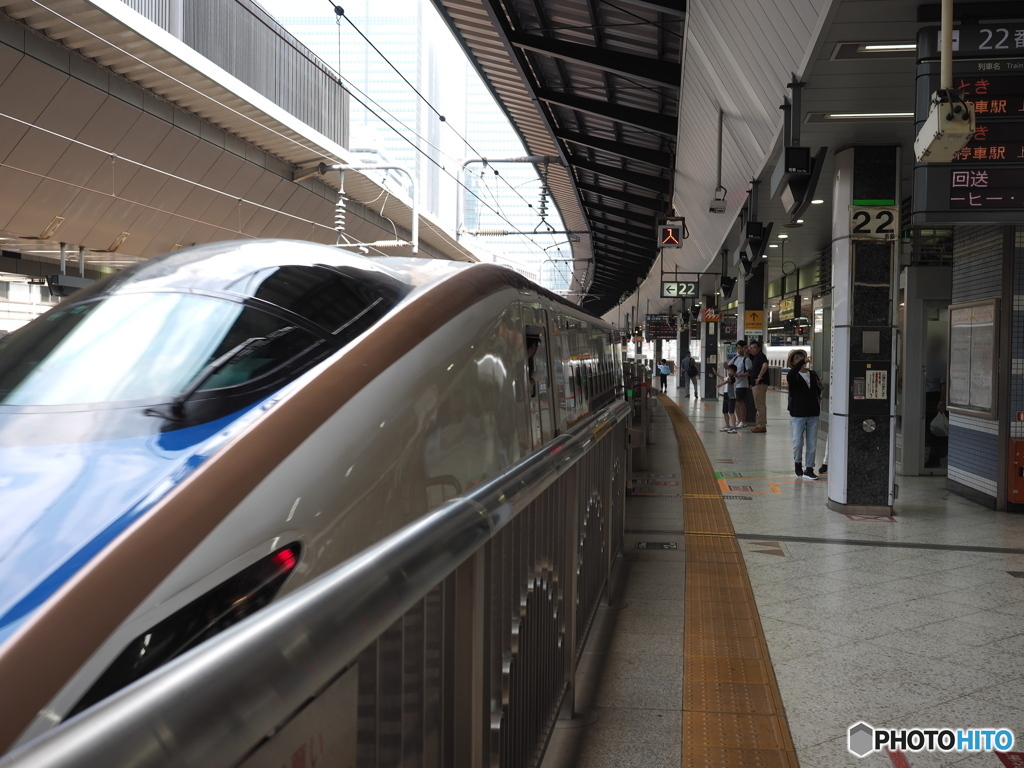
point(663, 372)
point(742, 383)
point(728, 398)
point(804, 413)
point(759, 384)
point(934, 404)
point(688, 368)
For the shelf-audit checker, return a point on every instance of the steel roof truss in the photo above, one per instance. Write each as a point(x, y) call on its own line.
point(637, 201)
point(639, 217)
point(629, 65)
point(650, 156)
point(655, 122)
point(642, 180)
point(603, 225)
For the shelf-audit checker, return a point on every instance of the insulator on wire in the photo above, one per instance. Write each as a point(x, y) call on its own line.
point(339, 216)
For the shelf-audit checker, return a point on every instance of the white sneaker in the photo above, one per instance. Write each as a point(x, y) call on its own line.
point(741, 425)
point(725, 429)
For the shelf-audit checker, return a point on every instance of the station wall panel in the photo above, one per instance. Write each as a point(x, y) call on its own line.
point(974, 465)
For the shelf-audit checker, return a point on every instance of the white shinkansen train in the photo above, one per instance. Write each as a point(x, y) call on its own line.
point(191, 438)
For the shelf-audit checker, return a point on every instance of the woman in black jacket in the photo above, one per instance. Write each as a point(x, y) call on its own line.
point(804, 410)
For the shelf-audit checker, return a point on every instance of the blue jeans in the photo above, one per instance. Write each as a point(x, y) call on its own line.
point(805, 430)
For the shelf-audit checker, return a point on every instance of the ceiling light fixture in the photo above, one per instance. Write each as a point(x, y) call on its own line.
point(868, 115)
point(861, 50)
point(783, 236)
point(774, 245)
point(888, 47)
point(817, 202)
point(51, 227)
point(118, 242)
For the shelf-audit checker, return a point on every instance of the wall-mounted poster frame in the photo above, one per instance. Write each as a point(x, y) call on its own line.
point(973, 345)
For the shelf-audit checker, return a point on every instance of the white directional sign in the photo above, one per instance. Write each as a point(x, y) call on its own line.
point(673, 289)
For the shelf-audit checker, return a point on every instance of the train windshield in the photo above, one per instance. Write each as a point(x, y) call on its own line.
point(142, 346)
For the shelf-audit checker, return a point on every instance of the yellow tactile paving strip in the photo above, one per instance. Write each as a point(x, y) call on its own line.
point(732, 711)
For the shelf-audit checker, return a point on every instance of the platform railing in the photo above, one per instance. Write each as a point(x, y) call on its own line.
point(452, 642)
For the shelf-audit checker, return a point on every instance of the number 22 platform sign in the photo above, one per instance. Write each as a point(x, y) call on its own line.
point(874, 222)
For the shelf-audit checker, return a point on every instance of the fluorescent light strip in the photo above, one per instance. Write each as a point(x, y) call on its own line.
point(866, 115)
point(890, 47)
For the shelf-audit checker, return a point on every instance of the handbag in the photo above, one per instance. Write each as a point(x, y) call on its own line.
point(939, 425)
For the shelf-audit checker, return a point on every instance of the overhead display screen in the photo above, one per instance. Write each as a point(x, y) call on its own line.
point(984, 184)
point(660, 327)
point(986, 189)
point(998, 143)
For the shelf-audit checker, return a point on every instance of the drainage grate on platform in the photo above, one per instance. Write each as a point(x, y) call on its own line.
point(736, 497)
point(656, 545)
point(747, 488)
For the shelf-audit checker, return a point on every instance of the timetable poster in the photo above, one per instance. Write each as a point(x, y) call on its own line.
point(972, 348)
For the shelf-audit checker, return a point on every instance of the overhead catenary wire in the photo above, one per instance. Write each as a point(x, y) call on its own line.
point(444, 170)
point(290, 139)
point(365, 100)
point(340, 14)
point(213, 100)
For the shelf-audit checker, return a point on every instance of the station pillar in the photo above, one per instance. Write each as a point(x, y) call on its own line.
point(861, 477)
point(709, 352)
point(684, 350)
point(753, 302)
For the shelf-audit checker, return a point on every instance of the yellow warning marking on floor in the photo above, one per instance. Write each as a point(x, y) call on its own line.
point(723, 485)
point(732, 709)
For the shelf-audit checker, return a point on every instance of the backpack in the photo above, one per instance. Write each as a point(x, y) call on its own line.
point(693, 370)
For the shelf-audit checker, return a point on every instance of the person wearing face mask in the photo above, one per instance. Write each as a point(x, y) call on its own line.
point(804, 412)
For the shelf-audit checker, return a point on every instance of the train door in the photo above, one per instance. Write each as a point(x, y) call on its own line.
point(538, 371)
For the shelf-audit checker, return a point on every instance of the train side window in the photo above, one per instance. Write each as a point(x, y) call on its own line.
point(539, 387)
point(334, 301)
point(532, 345)
point(140, 346)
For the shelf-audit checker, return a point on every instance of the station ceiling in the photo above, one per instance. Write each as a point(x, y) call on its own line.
point(628, 93)
point(595, 84)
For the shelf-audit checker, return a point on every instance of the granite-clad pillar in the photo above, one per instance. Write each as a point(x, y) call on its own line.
point(684, 346)
point(709, 353)
point(754, 301)
point(861, 477)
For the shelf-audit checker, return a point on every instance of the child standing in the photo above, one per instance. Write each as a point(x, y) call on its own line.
point(728, 398)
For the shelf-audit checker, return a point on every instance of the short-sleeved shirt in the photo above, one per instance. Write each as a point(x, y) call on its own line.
point(664, 370)
point(742, 364)
point(756, 363)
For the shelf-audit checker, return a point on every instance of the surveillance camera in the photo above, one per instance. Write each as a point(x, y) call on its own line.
point(717, 206)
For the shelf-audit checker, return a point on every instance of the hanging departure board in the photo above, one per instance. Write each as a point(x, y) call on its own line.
point(984, 184)
point(973, 345)
point(660, 327)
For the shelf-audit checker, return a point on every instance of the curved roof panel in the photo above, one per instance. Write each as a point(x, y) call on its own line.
point(602, 80)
